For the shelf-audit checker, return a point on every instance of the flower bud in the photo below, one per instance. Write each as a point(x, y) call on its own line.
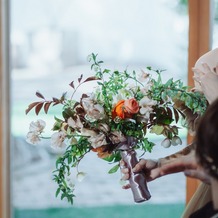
point(80, 176)
point(90, 58)
point(176, 140)
point(166, 143)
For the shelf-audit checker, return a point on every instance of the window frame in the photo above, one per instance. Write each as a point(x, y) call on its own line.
point(200, 42)
point(5, 187)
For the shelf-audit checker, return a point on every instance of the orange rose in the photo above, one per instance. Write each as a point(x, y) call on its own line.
point(125, 108)
point(131, 106)
point(118, 110)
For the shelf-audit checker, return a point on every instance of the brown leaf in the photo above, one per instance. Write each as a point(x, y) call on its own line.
point(46, 106)
point(76, 104)
point(31, 106)
point(169, 112)
point(182, 114)
point(38, 94)
point(72, 84)
point(176, 114)
point(91, 78)
point(84, 96)
point(63, 96)
point(55, 100)
point(79, 79)
point(38, 107)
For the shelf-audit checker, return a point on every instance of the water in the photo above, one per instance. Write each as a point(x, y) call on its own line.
point(33, 186)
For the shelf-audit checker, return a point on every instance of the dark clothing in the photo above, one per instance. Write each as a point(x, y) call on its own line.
point(205, 212)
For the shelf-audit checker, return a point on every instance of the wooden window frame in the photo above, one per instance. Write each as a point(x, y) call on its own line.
point(5, 187)
point(200, 29)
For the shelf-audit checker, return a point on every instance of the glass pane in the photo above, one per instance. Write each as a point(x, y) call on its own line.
point(50, 44)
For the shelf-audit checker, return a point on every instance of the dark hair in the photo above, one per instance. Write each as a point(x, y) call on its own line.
point(207, 140)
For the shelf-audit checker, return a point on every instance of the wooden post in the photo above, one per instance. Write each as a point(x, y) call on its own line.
point(1, 171)
point(5, 208)
point(199, 43)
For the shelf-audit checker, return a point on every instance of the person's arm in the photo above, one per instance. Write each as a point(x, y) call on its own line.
point(153, 169)
point(188, 165)
point(188, 151)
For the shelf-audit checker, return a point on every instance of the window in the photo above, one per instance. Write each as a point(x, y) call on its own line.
point(50, 50)
point(49, 44)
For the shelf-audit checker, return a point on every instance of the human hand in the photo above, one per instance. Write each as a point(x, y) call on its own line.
point(149, 167)
point(208, 81)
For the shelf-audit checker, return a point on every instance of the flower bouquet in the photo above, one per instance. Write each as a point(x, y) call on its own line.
point(114, 120)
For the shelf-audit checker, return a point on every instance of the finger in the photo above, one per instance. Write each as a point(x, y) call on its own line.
point(124, 170)
point(126, 186)
point(155, 173)
point(140, 166)
point(122, 163)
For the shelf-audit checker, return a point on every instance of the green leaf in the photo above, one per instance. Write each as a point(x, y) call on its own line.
point(109, 158)
point(114, 169)
point(157, 129)
point(69, 159)
point(57, 192)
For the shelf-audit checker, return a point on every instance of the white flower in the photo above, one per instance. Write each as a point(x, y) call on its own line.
point(117, 137)
point(146, 101)
point(166, 143)
point(98, 140)
point(80, 176)
point(96, 112)
point(33, 138)
point(144, 90)
point(37, 126)
point(123, 94)
point(143, 76)
point(146, 111)
point(93, 111)
point(146, 106)
point(75, 123)
point(57, 140)
point(116, 98)
point(88, 132)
